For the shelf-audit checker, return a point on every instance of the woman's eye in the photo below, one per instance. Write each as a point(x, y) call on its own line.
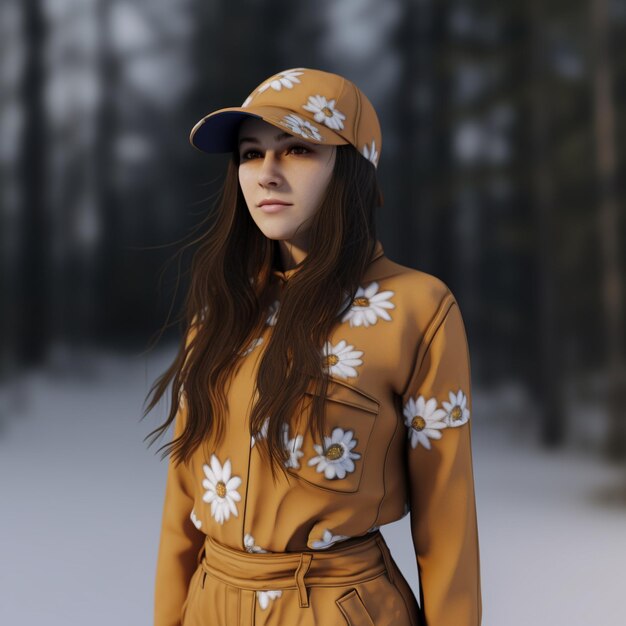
point(300, 149)
point(246, 155)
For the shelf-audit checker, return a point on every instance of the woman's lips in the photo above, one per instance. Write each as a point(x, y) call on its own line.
point(272, 208)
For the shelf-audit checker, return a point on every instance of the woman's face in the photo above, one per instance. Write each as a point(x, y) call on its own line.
point(278, 166)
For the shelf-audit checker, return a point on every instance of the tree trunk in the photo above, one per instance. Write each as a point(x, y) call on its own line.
point(609, 228)
point(549, 372)
point(32, 332)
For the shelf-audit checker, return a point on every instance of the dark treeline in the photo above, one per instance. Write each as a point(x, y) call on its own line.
point(501, 169)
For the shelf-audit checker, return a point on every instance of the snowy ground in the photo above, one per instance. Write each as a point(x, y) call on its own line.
point(82, 497)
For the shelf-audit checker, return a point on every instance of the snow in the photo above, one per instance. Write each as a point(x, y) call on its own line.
point(82, 497)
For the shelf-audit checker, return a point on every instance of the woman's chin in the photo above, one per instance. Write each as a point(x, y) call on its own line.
point(277, 233)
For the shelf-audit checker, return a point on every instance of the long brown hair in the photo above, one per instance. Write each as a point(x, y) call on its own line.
point(226, 306)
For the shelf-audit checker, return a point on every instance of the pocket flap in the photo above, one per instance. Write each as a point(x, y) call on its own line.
point(353, 609)
point(337, 462)
point(345, 393)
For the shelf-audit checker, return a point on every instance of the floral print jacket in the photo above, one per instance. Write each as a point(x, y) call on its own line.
point(398, 441)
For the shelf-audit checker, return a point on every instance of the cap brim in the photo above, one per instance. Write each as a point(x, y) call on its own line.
point(217, 132)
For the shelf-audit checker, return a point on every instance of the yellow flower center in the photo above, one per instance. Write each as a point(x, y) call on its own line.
point(334, 452)
point(418, 422)
point(307, 131)
point(328, 112)
point(220, 488)
point(330, 360)
point(456, 413)
point(361, 301)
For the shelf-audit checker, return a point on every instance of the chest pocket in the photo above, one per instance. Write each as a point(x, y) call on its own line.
point(337, 462)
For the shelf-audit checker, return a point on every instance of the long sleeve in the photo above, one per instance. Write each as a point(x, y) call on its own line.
point(180, 541)
point(436, 407)
point(179, 545)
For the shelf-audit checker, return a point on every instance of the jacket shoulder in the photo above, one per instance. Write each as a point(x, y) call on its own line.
point(416, 288)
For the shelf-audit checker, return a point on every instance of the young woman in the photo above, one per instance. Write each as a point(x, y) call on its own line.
point(321, 390)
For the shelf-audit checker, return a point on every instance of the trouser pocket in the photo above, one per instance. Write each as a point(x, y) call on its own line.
point(353, 609)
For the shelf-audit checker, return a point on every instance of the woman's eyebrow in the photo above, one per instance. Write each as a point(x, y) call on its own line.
point(278, 137)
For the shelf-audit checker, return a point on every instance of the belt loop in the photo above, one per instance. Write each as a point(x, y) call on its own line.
point(302, 569)
point(386, 556)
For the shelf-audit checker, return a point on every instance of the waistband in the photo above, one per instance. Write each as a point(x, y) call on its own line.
point(350, 564)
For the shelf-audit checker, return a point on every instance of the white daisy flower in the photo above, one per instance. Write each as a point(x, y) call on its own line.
point(341, 359)
point(324, 111)
point(196, 522)
point(272, 318)
point(424, 420)
point(284, 79)
point(262, 433)
point(301, 126)
point(252, 345)
point(368, 305)
point(457, 412)
point(221, 489)
point(247, 101)
point(264, 597)
point(370, 152)
point(293, 447)
point(335, 458)
point(327, 540)
point(248, 542)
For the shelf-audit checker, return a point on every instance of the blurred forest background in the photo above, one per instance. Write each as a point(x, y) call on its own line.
point(501, 170)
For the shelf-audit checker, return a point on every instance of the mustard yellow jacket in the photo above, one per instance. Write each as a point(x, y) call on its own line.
point(399, 441)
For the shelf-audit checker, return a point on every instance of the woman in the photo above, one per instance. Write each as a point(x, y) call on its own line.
point(322, 390)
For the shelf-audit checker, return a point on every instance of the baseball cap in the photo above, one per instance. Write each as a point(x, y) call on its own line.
point(319, 106)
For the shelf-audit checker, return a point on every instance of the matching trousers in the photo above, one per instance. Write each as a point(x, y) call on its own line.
point(353, 585)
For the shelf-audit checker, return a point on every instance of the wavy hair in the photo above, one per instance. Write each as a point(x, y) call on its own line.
point(227, 304)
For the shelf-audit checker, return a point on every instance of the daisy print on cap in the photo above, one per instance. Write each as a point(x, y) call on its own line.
point(341, 359)
point(249, 545)
point(247, 101)
point(336, 458)
point(301, 126)
point(368, 305)
point(264, 597)
point(327, 540)
point(457, 412)
point(287, 79)
point(221, 489)
point(370, 152)
point(324, 111)
point(424, 420)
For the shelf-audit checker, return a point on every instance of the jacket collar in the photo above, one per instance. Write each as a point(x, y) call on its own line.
point(287, 274)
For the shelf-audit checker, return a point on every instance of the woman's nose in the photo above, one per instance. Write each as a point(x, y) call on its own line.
point(269, 174)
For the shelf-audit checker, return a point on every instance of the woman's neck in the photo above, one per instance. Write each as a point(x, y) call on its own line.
point(290, 254)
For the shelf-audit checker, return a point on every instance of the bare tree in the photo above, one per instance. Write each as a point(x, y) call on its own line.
point(548, 374)
point(32, 331)
point(609, 227)
point(422, 113)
